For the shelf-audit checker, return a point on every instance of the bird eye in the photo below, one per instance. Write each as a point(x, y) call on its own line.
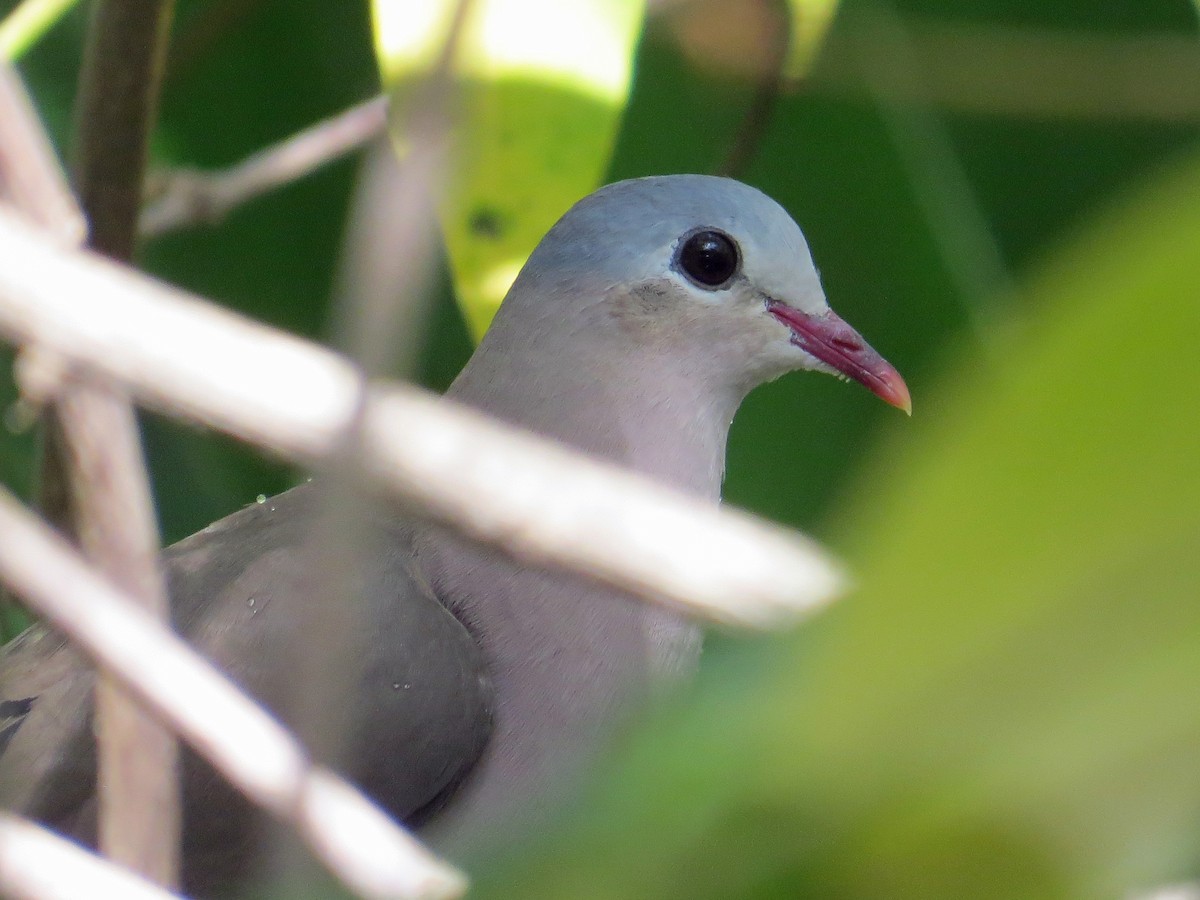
point(709, 258)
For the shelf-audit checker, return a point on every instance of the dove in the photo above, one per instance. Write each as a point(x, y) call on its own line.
point(482, 685)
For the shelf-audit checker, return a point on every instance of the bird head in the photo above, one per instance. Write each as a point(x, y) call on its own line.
point(707, 271)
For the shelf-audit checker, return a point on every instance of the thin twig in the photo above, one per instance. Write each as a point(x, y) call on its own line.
point(92, 442)
point(180, 198)
point(31, 180)
point(1027, 73)
point(37, 864)
point(497, 483)
point(753, 127)
point(357, 841)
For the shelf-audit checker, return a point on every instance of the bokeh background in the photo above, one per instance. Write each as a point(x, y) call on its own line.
point(1004, 198)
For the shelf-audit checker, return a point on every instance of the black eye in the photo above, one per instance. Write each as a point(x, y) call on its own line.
point(709, 258)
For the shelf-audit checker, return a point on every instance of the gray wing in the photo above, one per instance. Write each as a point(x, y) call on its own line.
point(416, 700)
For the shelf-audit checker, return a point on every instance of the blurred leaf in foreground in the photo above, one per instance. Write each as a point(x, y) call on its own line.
point(1010, 704)
point(542, 86)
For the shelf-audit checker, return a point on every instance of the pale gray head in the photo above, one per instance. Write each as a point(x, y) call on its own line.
point(705, 275)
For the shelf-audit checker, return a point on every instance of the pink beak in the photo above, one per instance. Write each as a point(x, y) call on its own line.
point(831, 340)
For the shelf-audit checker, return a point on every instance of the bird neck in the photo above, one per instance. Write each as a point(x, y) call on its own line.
point(567, 656)
point(645, 415)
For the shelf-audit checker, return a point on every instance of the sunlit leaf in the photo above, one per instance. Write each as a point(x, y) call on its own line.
point(1010, 705)
point(543, 85)
point(810, 20)
point(25, 25)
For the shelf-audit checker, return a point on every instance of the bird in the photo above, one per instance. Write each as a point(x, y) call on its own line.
point(481, 684)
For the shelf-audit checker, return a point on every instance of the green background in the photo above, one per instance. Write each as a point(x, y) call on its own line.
point(1008, 704)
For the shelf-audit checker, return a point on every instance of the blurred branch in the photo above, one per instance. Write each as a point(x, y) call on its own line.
point(381, 297)
point(31, 180)
point(115, 110)
point(496, 483)
point(1024, 72)
point(91, 433)
point(25, 25)
point(180, 198)
point(36, 864)
point(92, 442)
point(358, 842)
point(942, 187)
point(774, 46)
point(138, 791)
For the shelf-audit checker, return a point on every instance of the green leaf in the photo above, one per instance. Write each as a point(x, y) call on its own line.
point(810, 21)
point(1010, 704)
point(543, 86)
point(25, 25)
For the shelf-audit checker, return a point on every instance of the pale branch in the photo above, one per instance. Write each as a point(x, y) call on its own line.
point(380, 306)
point(180, 197)
point(137, 783)
point(91, 435)
point(357, 841)
point(381, 303)
point(35, 186)
point(36, 864)
point(538, 500)
point(31, 180)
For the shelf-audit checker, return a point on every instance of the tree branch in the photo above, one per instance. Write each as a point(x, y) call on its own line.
point(495, 482)
point(752, 128)
point(179, 197)
point(36, 864)
point(31, 180)
point(115, 111)
point(91, 433)
point(137, 782)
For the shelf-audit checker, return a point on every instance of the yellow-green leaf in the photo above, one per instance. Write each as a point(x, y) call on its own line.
point(25, 25)
point(542, 86)
point(810, 21)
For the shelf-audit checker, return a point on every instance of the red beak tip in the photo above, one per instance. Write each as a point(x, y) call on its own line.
point(897, 394)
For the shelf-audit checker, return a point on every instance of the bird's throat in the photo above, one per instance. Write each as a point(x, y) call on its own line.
point(658, 423)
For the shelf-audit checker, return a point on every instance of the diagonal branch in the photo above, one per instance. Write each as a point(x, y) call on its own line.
point(495, 482)
point(31, 180)
point(180, 197)
point(91, 434)
point(35, 863)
